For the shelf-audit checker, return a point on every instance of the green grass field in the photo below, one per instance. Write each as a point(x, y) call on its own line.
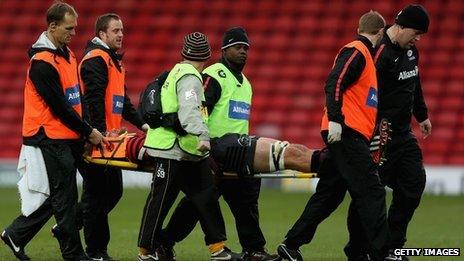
point(439, 222)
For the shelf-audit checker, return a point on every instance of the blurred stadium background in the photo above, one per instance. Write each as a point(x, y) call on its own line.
point(293, 47)
point(293, 44)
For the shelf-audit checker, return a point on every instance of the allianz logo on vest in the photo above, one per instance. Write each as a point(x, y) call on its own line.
point(372, 98)
point(73, 96)
point(239, 110)
point(408, 74)
point(118, 104)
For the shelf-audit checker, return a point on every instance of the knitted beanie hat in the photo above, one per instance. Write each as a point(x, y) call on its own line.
point(196, 47)
point(233, 36)
point(413, 16)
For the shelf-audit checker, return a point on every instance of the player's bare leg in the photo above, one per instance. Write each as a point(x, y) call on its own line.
point(272, 155)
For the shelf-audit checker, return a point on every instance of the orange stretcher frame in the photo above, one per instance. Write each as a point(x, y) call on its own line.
point(114, 154)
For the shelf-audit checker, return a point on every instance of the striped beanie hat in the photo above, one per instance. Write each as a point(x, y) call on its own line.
point(196, 47)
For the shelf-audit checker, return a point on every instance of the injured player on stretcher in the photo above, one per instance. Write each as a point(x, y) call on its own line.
point(232, 153)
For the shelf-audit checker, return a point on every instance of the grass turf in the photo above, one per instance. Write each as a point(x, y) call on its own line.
point(439, 222)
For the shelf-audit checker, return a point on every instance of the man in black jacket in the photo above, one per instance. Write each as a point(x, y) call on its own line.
point(52, 123)
point(102, 77)
point(347, 127)
point(400, 97)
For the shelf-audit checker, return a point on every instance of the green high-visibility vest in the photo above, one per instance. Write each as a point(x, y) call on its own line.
point(231, 114)
point(164, 138)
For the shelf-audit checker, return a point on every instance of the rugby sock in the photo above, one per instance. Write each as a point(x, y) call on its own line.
point(144, 251)
point(317, 158)
point(216, 247)
point(314, 163)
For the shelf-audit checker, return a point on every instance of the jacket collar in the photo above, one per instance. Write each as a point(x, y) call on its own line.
point(97, 43)
point(44, 43)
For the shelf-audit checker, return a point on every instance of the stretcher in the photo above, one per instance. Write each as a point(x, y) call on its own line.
point(126, 151)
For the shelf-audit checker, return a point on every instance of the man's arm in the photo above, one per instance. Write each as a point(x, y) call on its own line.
point(212, 92)
point(347, 68)
point(419, 108)
point(129, 113)
point(94, 74)
point(189, 93)
point(47, 84)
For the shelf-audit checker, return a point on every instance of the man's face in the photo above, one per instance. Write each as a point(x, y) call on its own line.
point(237, 54)
point(113, 35)
point(407, 37)
point(63, 31)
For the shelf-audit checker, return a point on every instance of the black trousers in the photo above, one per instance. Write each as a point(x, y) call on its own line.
point(242, 197)
point(349, 168)
point(61, 170)
point(102, 190)
point(404, 173)
point(197, 182)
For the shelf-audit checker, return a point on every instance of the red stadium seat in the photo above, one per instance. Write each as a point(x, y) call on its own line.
point(454, 88)
point(293, 45)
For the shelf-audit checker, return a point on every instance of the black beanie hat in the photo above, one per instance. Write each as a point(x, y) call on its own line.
point(196, 47)
point(413, 16)
point(233, 36)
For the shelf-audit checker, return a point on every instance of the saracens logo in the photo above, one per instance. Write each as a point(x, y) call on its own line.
point(410, 56)
point(221, 74)
point(408, 74)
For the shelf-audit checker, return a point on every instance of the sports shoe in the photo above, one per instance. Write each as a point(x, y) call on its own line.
point(150, 257)
point(100, 256)
point(56, 232)
point(260, 256)
point(166, 253)
point(225, 254)
point(84, 257)
point(289, 254)
point(18, 251)
point(359, 258)
point(392, 257)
